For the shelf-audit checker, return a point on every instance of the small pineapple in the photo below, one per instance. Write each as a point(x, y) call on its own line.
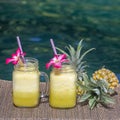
point(76, 60)
point(107, 75)
point(96, 92)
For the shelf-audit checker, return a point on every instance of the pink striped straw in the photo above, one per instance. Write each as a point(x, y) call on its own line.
point(20, 46)
point(53, 46)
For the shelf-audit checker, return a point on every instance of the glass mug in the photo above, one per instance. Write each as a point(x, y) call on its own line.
point(62, 92)
point(26, 83)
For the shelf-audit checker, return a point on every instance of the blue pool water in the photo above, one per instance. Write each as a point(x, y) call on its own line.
point(67, 22)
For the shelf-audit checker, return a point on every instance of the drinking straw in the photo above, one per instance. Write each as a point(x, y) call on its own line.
point(53, 46)
point(20, 46)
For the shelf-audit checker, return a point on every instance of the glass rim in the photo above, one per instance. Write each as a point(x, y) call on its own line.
point(31, 60)
point(66, 67)
point(27, 59)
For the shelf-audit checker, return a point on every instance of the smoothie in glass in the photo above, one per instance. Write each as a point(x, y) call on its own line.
point(63, 87)
point(26, 91)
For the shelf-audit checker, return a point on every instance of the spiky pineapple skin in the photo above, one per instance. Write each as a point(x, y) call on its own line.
point(107, 75)
point(79, 90)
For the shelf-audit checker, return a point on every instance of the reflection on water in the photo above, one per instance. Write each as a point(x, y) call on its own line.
point(95, 21)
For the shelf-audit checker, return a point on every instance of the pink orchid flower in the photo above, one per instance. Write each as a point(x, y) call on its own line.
point(15, 57)
point(57, 61)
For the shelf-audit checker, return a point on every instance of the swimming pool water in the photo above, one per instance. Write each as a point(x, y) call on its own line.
point(67, 22)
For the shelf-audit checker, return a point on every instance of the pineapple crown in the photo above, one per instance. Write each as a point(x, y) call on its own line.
point(75, 56)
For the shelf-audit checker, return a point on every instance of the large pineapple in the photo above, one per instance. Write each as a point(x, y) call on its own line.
point(107, 75)
point(75, 57)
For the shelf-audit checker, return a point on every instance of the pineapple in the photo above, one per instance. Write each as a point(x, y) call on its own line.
point(107, 75)
point(75, 58)
point(96, 92)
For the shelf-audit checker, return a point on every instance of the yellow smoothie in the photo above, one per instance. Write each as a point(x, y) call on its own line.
point(63, 88)
point(26, 86)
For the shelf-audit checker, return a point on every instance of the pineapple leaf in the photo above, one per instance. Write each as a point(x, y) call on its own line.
point(93, 82)
point(72, 50)
point(105, 89)
point(83, 55)
point(89, 82)
point(103, 85)
point(92, 102)
point(79, 48)
point(79, 83)
point(107, 99)
point(85, 78)
point(72, 53)
point(83, 67)
point(85, 97)
point(62, 51)
point(80, 65)
point(97, 91)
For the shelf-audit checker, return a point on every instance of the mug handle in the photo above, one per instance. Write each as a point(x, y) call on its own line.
point(45, 90)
